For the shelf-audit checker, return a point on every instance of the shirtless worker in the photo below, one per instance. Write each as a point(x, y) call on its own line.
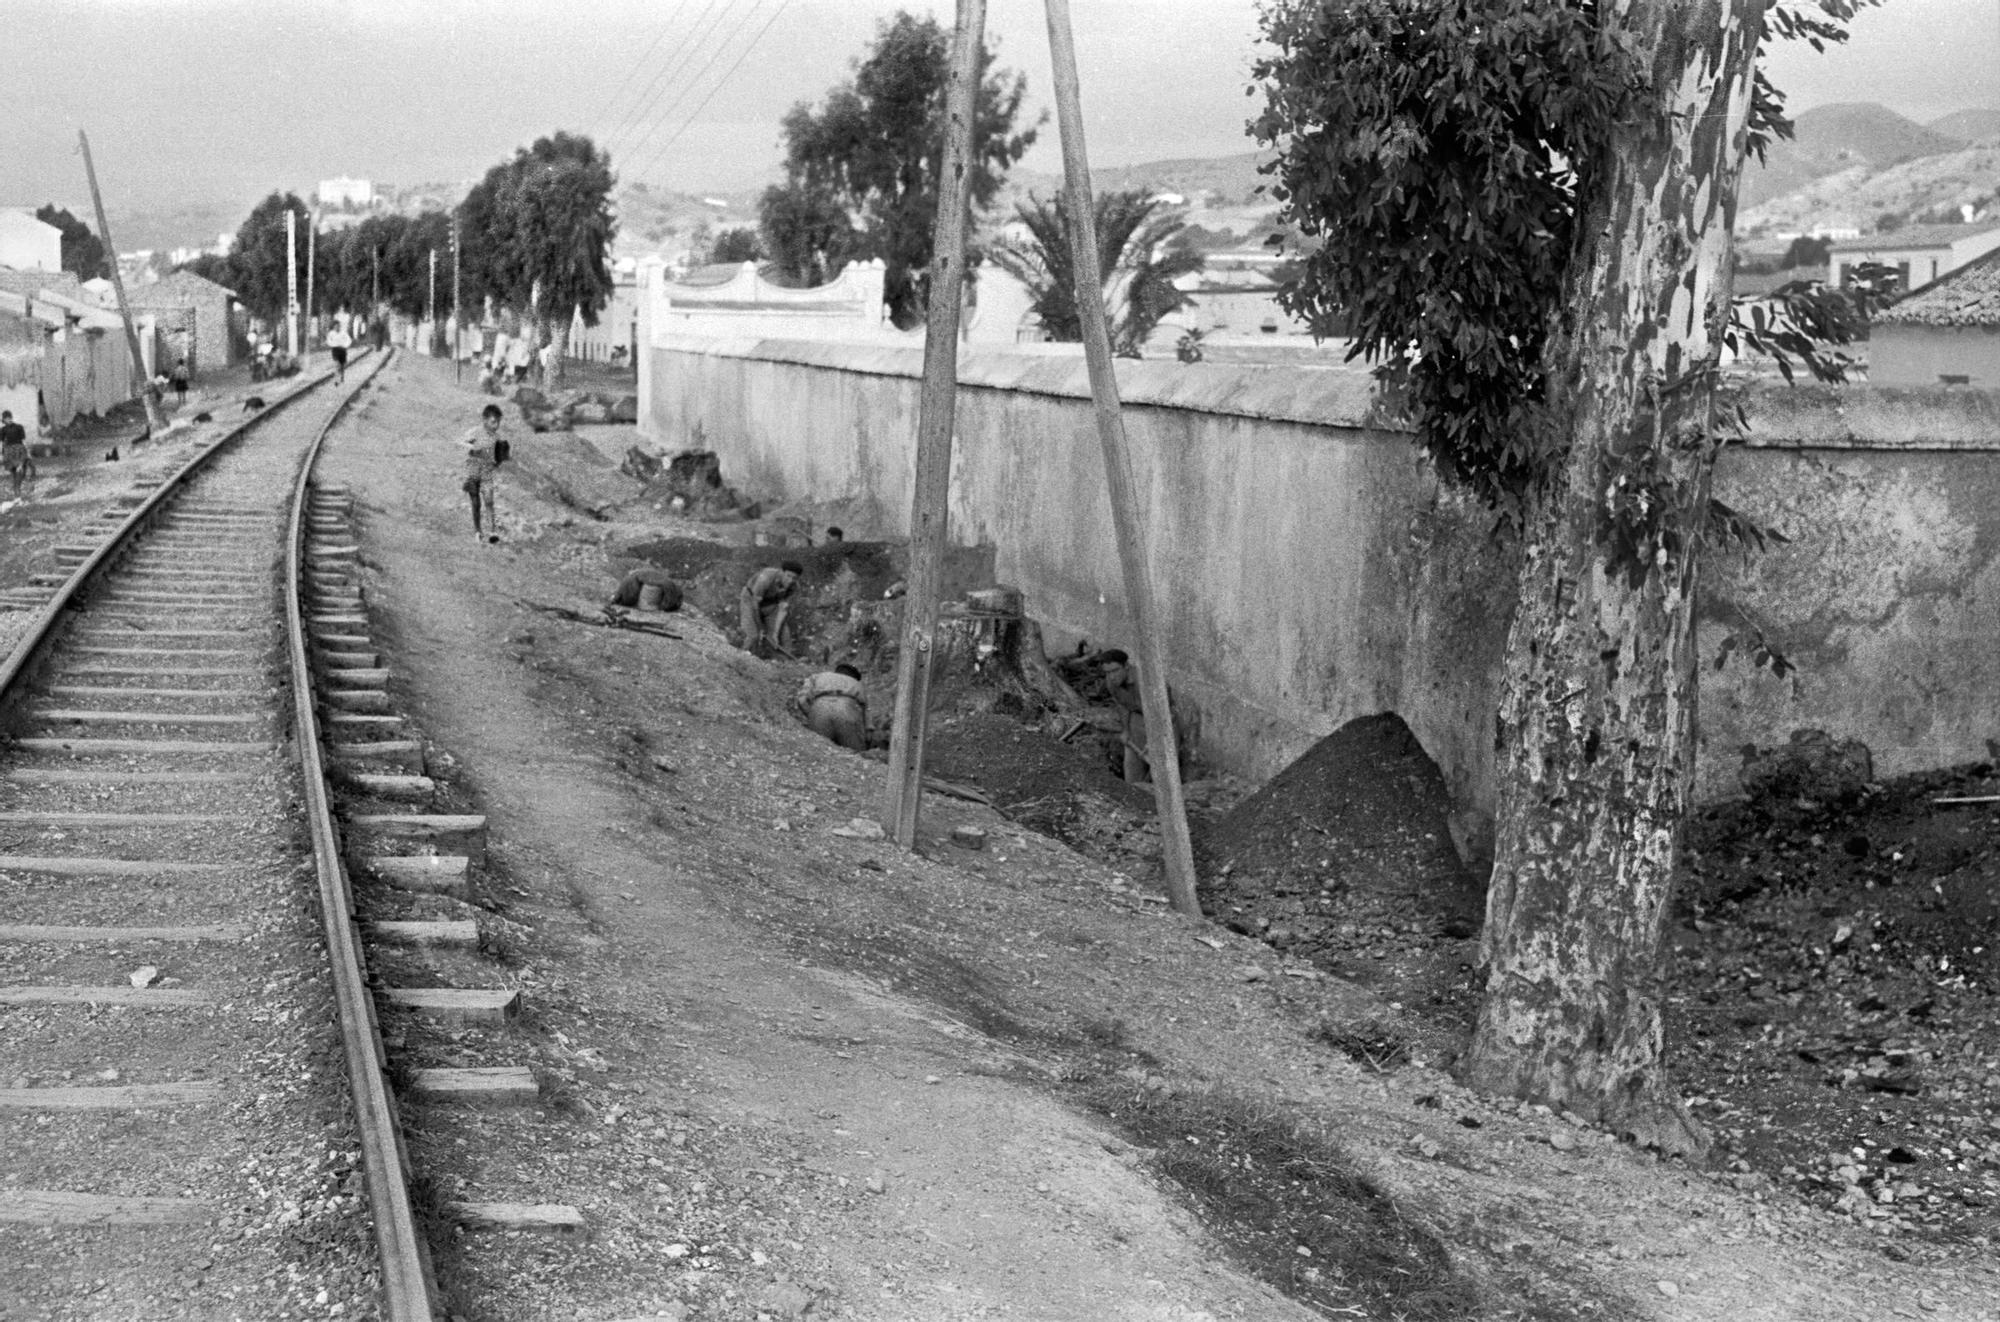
point(766, 603)
point(833, 708)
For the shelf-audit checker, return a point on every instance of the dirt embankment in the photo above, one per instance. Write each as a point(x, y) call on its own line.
point(806, 1074)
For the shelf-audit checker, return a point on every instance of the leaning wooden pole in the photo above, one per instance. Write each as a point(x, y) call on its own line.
point(156, 419)
point(1163, 749)
point(935, 415)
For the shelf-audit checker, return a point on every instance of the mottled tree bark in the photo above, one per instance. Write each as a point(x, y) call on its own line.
point(1598, 700)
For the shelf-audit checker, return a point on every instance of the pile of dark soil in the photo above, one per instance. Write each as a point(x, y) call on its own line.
point(1066, 790)
point(1344, 859)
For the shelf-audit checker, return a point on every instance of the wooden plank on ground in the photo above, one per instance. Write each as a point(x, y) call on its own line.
point(151, 998)
point(428, 931)
point(485, 1085)
point(75, 866)
point(127, 1097)
point(212, 932)
point(462, 1005)
point(58, 1207)
point(436, 873)
point(550, 1218)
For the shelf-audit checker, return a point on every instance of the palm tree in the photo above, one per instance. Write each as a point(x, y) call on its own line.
point(1135, 254)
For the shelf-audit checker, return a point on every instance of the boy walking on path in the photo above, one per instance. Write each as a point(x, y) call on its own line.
point(14, 456)
point(486, 448)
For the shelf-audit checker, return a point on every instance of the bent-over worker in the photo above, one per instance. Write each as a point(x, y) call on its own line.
point(833, 708)
point(632, 589)
point(766, 604)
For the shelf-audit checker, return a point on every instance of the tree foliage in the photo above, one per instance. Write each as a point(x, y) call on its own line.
point(257, 256)
point(82, 251)
point(1136, 255)
point(737, 245)
point(861, 171)
point(540, 224)
point(1435, 150)
point(1432, 151)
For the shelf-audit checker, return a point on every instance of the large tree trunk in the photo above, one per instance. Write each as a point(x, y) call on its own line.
point(1598, 701)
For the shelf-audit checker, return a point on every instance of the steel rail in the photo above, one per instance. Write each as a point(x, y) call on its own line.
point(28, 654)
point(408, 1293)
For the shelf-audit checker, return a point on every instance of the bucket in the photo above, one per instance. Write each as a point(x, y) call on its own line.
point(649, 596)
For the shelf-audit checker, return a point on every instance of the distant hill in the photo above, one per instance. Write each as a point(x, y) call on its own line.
point(1973, 126)
point(1839, 138)
point(1231, 180)
point(1930, 186)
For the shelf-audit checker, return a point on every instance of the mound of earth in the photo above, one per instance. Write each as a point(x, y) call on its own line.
point(1066, 790)
point(1345, 858)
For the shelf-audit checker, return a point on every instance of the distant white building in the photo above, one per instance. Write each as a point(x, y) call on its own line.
point(359, 193)
point(1917, 253)
point(27, 244)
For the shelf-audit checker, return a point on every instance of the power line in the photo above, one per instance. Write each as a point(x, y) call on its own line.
point(635, 112)
point(720, 84)
point(670, 72)
point(633, 72)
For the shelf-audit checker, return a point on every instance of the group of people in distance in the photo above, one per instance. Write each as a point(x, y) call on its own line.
point(512, 358)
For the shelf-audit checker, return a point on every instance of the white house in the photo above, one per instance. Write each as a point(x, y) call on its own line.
point(343, 192)
point(1919, 253)
point(27, 244)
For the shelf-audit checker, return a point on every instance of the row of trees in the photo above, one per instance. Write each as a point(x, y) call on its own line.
point(534, 235)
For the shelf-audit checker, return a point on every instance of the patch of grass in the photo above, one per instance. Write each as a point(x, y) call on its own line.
point(1287, 1202)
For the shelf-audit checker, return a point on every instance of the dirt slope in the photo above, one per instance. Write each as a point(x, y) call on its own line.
point(805, 1071)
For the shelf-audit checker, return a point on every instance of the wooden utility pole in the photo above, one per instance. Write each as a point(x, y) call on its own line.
point(312, 250)
point(457, 349)
point(935, 414)
point(1162, 747)
point(291, 284)
point(156, 419)
point(431, 314)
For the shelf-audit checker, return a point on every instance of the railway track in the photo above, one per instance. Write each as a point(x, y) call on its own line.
point(194, 1106)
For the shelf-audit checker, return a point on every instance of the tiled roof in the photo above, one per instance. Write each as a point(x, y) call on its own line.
point(1969, 296)
point(1916, 236)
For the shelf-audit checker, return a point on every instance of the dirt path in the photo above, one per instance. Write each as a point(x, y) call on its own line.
point(879, 1086)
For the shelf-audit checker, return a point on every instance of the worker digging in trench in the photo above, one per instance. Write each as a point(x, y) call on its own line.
point(766, 603)
point(832, 706)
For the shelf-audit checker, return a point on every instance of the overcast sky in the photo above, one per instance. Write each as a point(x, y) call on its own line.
point(224, 100)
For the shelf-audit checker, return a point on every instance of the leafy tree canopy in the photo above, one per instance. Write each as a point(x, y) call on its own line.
point(737, 245)
point(257, 257)
point(861, 171)
point(1433, 150)
point(82, 251)
point(540, 224)
point(1137, 253)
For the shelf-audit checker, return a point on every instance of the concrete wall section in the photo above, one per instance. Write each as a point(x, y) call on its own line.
point(1887, 595)
point(1314, 571)
point(1901, 354)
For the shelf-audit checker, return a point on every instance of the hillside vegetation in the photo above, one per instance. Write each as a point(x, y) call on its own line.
point(1838, 139)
